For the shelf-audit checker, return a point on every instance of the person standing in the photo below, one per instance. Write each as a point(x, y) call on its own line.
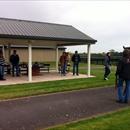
point(14, 59)
point(2, 62)
point(123, 75)
point(76, 60)
point(107, 64)
point(63, 63)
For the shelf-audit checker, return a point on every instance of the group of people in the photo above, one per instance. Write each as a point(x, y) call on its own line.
point(65, 59)
point(14, 60)
point(122, 82)
point(122, 71)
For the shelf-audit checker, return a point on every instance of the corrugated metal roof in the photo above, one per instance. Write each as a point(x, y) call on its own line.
point(14, 28)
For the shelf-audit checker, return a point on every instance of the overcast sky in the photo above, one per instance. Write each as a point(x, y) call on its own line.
point(106, 21)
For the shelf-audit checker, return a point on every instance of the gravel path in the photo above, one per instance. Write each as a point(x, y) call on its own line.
point(44, 111)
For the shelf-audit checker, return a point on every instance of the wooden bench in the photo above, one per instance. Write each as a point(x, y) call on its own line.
point(44, 67)
point(35, 69)
point(23, 68)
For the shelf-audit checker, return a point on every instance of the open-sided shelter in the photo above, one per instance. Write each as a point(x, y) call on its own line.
point(30, 33)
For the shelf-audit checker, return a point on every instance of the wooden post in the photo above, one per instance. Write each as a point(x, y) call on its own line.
point(57, 59)
point(89, 60)
point(29, 62)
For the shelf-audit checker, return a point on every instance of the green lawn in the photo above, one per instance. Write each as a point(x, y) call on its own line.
point(119, 120)
point(14, 91)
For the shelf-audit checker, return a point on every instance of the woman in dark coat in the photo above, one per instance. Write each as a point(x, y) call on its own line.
point(107, 64)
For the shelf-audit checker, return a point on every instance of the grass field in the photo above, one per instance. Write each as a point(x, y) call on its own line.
point(119, 120)
point(15, 91)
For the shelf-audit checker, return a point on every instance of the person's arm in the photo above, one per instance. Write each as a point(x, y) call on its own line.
point(18, 59)
point(10, 59)
point(72, 59)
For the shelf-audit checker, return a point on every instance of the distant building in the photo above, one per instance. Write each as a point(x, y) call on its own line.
point(34, 35)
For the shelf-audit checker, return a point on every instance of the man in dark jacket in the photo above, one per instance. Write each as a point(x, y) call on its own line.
point(76, 59)
point(14, 60)
point(123, 75)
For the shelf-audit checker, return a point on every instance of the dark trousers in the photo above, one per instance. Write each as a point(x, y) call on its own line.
point(107, 72)
point(1, 72)
point(63, 69)
point(76, 69)
point(15, 67)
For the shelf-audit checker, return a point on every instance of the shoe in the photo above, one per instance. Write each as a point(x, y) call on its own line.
point(105, 78)
point(2, 79)
point(119, 101)
point(126, 101)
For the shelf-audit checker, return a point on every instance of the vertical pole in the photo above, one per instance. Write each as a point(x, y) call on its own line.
point(29, 62)
point(9, 51)
point(57, 59)
point(3, 50)
point(89, 59)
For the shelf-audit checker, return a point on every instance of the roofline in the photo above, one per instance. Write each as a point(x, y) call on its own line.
point(46, 38)
point(31, 21)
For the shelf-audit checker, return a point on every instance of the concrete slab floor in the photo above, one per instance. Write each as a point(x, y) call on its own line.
point(45, 76)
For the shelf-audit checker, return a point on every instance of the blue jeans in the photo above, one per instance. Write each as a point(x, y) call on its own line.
point(15, 67)
point(123, 96)
point(63, 69)
point(1, 72)
point(76, 69)
point(127, 93)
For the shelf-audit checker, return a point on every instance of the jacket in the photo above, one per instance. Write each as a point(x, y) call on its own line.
point(123, 69)
point(76, 58)
point(14, 59)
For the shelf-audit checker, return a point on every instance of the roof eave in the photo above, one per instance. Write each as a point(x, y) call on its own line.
point(48, 38)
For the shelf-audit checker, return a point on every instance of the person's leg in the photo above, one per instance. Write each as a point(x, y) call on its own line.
point(73, 68)
point(127, 91)
point(77, 69)
point(120, 90)
point(0, 72)
point(17, 70)
point(107, 72)
point(61, 69)
point(13, 69)
point(64, 69)
point(3, 72)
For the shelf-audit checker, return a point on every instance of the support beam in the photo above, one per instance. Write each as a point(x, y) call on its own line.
point(9, 51)
point(89, 60)
point(57, 59)
point(3, 50)
point(29, 62)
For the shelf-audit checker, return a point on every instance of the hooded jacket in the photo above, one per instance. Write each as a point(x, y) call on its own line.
point(123, 69)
